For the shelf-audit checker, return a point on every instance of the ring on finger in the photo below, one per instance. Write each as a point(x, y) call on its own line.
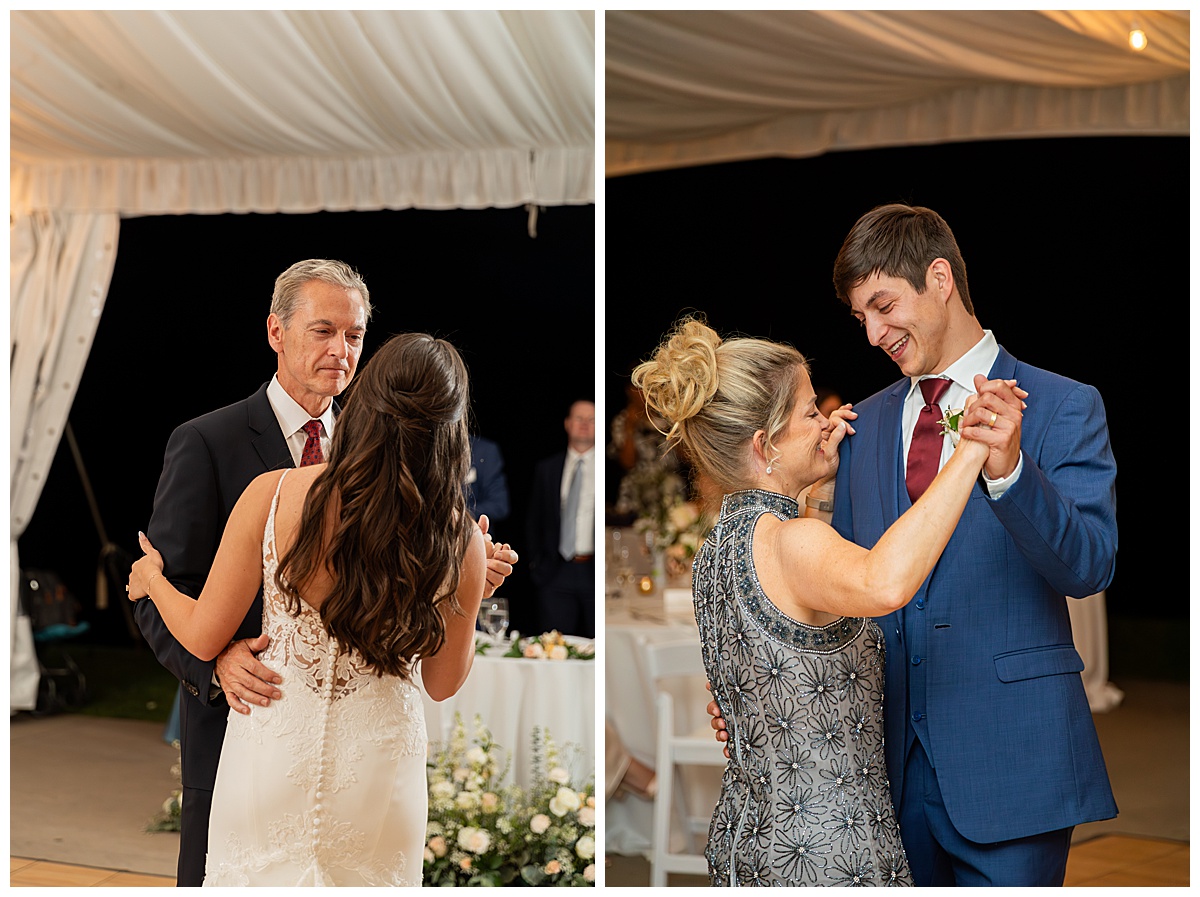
point(992, 422)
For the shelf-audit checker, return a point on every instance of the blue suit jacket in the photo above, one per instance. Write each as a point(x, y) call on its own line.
point(1002, 709)
point(487, 487)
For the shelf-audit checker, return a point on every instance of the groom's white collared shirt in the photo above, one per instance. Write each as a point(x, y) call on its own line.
point(961, 374)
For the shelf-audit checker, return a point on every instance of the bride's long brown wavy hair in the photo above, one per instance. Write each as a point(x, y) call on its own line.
point(387, 517)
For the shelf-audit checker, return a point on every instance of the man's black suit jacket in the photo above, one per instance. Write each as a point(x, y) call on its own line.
point(209, 462)
point(545, 519)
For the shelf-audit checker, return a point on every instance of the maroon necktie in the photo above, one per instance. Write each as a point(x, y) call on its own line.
point(925, 452)
point(312, 446)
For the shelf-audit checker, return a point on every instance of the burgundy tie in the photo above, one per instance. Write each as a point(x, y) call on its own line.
point(925, 452)
point(312, 446)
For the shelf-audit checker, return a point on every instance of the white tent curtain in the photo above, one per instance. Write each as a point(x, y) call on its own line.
point(124, 113)
point(694, 88)
point(174, 112)
point(60, 268)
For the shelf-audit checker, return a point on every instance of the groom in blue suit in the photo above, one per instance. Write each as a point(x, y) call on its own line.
point(991, 749)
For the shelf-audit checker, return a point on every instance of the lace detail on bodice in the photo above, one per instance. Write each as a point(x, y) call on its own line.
point(336, 724)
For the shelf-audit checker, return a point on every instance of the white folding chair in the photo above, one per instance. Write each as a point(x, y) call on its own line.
point(663, 661)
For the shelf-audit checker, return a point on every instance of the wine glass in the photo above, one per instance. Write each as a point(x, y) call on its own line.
point(493, 617)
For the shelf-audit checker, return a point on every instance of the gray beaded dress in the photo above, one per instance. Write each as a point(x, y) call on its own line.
point(804, 798)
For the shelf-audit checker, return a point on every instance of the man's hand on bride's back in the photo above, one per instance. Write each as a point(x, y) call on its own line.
point(244, 680)
point(500, 559)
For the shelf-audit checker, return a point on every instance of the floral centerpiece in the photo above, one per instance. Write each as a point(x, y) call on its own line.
point(549, 646)
point(482, 833)
point(675, 532)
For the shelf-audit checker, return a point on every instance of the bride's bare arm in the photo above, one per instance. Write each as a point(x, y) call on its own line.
point(444, 673)
point(205, 626)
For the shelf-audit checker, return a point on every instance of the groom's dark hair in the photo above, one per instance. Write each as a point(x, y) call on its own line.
point(897, 240)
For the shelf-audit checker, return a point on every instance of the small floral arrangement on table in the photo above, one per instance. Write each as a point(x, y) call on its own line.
point(550, 645)
point(484, 834)
point(677, 533)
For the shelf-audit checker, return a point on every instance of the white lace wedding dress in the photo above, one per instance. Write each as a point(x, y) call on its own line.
point(326, 786)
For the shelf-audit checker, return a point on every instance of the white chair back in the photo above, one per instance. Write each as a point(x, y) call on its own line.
point(664, 661)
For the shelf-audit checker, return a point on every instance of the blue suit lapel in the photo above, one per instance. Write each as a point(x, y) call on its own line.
point(891, 449)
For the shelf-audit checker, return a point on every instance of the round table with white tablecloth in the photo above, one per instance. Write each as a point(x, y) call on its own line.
point(630, 707)
point(513, 695)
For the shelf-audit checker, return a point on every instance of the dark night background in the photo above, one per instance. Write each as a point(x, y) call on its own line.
point(1077, 258)
point(184, 331)
point(1077, 254)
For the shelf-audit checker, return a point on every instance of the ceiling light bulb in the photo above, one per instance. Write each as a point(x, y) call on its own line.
point(1137, 39)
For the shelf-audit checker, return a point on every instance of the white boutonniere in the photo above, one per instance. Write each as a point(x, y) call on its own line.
point(951, 422)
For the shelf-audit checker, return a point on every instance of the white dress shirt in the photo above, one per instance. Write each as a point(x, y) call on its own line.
point(585, 520)
point(292, 417)
point(961, 374)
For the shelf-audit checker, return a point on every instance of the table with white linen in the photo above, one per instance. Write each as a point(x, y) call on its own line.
point(630, 706)
point(513, 695)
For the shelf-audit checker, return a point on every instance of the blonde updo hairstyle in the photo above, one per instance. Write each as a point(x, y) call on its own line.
point(715, 394)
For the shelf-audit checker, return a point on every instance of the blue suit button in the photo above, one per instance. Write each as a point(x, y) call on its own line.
point(917, 716)
point(916, 659)
point(920, 603)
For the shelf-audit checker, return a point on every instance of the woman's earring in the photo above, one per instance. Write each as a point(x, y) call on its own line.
point(768, 470)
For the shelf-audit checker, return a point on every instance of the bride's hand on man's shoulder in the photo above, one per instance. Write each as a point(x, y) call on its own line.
point(148, 565)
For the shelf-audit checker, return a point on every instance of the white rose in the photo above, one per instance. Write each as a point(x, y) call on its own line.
point(558, 652)
point(477, 756)
point(428, 855)
point(467, 800)
point(589, 873)
point(682, 516)
point(489, 802)
point(564, 802)
point(534, 649)
point(476, 840)
point(539, 823)
point(586, 847)
point(558, 775)
point(443, 790)
point(587, 816)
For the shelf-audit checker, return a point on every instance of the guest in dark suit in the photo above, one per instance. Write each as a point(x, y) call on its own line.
point(562, 544)
point(991, 748)
point(487, 487)
point(318, 318)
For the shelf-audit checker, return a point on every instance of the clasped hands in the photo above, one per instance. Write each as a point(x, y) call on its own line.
point(993, 417)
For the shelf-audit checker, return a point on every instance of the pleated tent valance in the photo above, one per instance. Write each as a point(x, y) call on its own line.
point(694, 88)
point(153, 112)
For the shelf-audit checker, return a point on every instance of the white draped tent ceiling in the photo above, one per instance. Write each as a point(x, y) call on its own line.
point(126, 113)
point(693, 88)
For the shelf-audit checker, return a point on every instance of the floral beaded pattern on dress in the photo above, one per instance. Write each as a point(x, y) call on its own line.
point(805, 796)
